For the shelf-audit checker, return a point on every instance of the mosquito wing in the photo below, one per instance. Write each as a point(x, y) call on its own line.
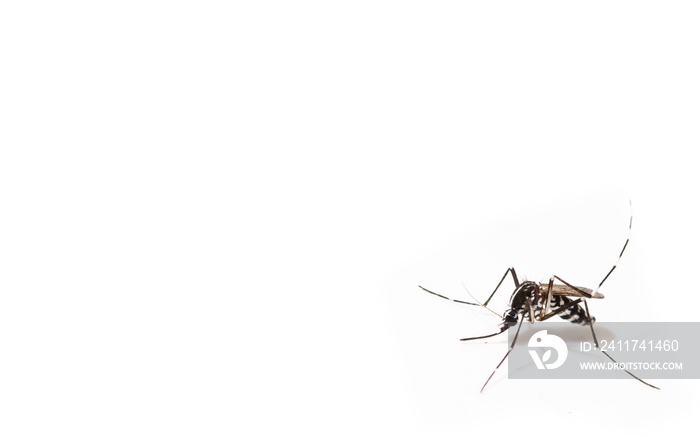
point(565, 290)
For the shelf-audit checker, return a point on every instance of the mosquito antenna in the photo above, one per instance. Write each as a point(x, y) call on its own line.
point(477, 301)
point(445, 297)
point(629, 234)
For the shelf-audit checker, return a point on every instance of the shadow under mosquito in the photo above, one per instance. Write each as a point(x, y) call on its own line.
point(571, 334)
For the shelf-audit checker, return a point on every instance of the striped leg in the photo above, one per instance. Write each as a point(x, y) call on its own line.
point(510, 269)
point(512, 345)
point(629, 234)
point(595, 340)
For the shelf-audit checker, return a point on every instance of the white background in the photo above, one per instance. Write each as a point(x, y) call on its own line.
point(215, 215)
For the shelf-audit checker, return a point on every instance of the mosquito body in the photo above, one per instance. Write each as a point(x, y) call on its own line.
point(537, 302)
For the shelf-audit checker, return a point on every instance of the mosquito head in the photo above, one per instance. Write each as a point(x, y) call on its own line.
point(510, 317)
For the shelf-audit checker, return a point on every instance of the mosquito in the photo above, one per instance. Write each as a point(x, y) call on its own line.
point(541, 301)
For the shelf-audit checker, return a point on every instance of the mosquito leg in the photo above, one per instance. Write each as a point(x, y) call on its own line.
point(530, 311)
point(549, 295)
point(512, 345)
point(486, 336)
point(515, 279)
point(629, 233)
point(512, 272)
point(595, 340)
point(590, 322)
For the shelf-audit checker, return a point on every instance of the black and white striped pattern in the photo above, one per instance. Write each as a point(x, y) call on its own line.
point(574, 314)
point(629, 234)
point(538, 302)
point(531, 295)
